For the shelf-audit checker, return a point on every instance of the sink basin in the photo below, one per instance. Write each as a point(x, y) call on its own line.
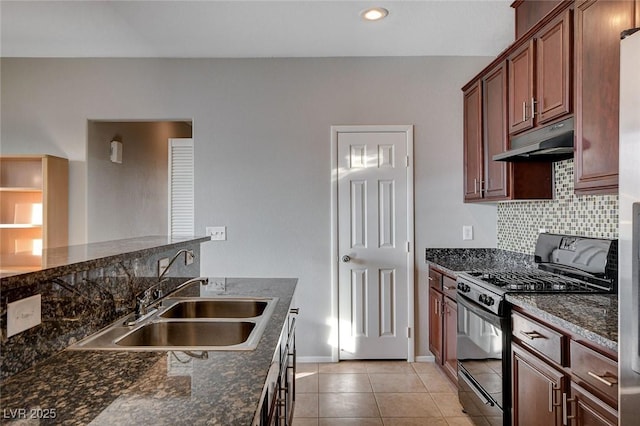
point(189, 334)
point(221, 323)
point(219, 308)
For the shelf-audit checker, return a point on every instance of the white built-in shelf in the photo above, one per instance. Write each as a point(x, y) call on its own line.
point(19, 189)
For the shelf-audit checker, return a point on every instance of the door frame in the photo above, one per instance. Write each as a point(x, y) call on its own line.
point(335, 258)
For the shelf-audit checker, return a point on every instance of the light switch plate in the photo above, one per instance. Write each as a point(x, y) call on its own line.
point(217, 233)
point(467, 232)
point(24, 314)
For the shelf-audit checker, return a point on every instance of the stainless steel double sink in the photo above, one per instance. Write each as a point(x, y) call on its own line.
point(189, 324)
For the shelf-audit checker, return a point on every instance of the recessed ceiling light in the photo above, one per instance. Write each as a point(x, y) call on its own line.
point(374, 14)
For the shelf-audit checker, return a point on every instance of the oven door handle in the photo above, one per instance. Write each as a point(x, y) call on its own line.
point(464, 376)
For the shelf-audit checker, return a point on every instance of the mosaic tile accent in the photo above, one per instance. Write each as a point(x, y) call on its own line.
point(586, 215)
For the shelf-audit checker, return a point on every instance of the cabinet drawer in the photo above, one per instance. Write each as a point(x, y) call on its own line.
point(544, 340)
point(435, 279)
point(449, 287)
point(596, 370)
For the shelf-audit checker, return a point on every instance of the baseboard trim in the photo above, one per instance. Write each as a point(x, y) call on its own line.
point(425, 358)
point(309, 359)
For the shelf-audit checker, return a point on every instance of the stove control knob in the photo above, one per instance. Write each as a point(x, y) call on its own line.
point(485, 299)
point(463, 287)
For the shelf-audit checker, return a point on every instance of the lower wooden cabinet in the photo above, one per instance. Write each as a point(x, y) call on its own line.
point(577, 386)
point(584, 408)
point(279, 394)
point(450, 337)
point(435, 324)
point(537, 390)
point(443, 322)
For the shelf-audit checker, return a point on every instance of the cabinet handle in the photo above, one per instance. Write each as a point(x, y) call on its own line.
point(531, 335)
point(565, 409)
point(533, 107)
point(550, 397)
point(475, 185)
point(602, 379)
point(524, 111)
point(430, 278)
point(436, 306)
point(449, 287)
point(294, 310)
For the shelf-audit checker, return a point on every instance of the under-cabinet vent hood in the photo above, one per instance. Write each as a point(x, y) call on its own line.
point(550, 143)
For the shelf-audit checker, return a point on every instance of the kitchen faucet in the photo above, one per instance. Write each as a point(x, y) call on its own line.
point(153, 294)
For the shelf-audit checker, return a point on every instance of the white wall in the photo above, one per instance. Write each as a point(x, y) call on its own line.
point(129, 199)
point(262, 130)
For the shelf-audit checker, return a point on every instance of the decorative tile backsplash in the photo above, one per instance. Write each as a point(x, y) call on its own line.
point(587, 215)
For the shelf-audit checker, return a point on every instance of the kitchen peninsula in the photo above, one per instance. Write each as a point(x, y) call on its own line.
point(41, 380)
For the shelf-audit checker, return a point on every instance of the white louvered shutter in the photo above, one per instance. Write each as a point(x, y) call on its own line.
point(181, 177)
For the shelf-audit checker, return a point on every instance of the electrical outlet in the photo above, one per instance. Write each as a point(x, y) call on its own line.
point(217, 233)
point(467, 232)
point(163, 264)
point(189, 257)
point(24, 314)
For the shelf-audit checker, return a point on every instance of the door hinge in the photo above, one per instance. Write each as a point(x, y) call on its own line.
point(408, 247)
point(408, 332)
point(406, 162)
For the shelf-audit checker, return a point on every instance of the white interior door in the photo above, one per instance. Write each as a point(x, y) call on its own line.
point(373, 238)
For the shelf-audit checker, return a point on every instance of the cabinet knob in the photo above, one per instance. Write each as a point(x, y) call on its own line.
point(346, 258)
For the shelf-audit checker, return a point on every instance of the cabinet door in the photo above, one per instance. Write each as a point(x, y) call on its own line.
point(587, 410)
point(521, 82)
point(435, 324)
point(537, 390)
point(598, 27)
point(553, 82)
point(450, 337)
point(473, 143)
point(494, 94)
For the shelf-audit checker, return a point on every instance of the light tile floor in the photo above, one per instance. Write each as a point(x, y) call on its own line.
point(380, 393)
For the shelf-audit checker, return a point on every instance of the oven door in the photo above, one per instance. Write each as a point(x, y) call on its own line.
point(483, 369)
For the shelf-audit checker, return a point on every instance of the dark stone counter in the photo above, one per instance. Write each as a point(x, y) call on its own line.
point(128, 388)
point(454, 260)
point(594, 317)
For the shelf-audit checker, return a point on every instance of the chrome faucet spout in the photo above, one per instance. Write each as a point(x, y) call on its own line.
point(188, 255)
point(152, 296)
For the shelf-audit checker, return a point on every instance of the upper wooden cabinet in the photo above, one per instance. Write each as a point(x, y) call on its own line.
point(530, 12)
point(485, 135)
point(495, 136)
point(473, 142)
point(540, 76)
point(597, 65)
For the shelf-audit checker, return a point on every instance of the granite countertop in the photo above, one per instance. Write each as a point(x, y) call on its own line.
point(125, 388)
point(593, 317)
point(452, 260)
point(65, 260)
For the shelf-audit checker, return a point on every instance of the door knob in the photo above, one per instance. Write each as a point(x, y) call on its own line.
point(346, 258)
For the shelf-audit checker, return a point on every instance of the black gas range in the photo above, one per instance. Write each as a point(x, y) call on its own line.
point(564, 264)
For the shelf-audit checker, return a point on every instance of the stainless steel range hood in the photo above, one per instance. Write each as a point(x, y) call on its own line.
point(550, 143)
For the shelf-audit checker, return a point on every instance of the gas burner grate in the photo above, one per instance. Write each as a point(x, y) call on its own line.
point(532, 280)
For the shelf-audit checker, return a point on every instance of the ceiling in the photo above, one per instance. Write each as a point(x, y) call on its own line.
point(241, 29)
